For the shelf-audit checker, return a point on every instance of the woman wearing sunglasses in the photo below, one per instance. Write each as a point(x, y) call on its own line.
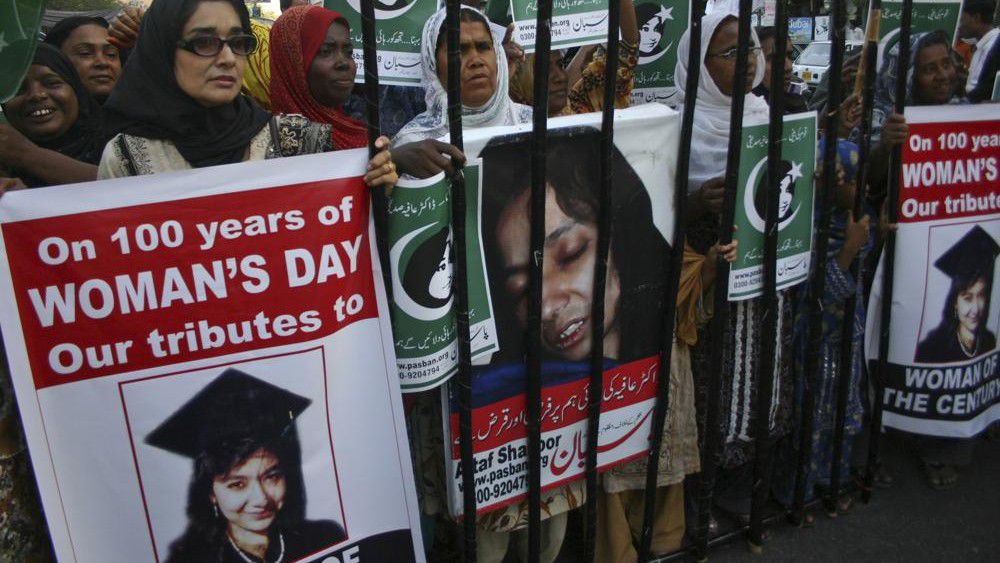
point(178, 103)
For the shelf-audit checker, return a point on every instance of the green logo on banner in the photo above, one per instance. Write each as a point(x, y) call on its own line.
point(19, 23)
point(661, 24)
point(795, 206)
point(399, 25)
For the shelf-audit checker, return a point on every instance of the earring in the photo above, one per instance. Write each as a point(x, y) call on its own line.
point(215, 509)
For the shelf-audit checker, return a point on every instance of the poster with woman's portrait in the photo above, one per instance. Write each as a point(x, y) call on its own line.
point(641, 219)
point(795, 206)
point(943, 369)
point(928, 15)
point(661, 24)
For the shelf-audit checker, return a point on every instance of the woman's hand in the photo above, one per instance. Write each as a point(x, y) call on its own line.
point(10, 184)
point(426, 158)
point(728, 252)
point(850, 115)
point(123, 30)
point(712, 192)
point(515, 53)
point(894, 130)
point(855, 237)
point(381, 169)
point(14, 147)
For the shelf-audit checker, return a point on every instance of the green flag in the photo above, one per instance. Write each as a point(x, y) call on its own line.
point(19, 23)
point(795, 206)
point(928, 15)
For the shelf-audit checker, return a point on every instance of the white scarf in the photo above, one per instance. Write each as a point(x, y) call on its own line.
point(710, 137)
point(433, 123)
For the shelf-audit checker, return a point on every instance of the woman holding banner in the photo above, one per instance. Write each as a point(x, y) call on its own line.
point(178, 103)
point(709, 147)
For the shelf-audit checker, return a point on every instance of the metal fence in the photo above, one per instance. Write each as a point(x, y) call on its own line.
point(721, 365)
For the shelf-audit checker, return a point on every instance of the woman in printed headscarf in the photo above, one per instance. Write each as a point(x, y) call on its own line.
point(178, 103)
point(486, 98)
point(313, 70)
point(53, 134)
point(709, 148)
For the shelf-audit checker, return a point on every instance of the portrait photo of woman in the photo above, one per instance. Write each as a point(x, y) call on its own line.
point(637, 258)
point(428, 275)
point(246, 498)
point(962, 333)
point(652, 19)
point(789, 174)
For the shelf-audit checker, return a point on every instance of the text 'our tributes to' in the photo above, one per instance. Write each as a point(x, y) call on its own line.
point(943, 375)
point(153, 324)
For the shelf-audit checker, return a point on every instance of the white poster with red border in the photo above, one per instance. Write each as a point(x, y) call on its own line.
point(134, 309)
point(943, 375)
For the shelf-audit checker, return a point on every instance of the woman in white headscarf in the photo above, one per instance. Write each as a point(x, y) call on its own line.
point(709, 148)
point(486, 98)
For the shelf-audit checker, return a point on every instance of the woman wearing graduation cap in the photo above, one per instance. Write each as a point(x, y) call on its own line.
point(246, 501)
point(962, 334)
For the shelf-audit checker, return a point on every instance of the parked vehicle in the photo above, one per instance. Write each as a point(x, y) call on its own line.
point(814, 61)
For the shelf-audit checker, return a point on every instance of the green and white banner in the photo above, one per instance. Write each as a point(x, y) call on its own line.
point(398, 27)
point(19, 22)
point(421, 254)
point(574, 22)
point(928, 15)
point(661, 24)
point(795, 206)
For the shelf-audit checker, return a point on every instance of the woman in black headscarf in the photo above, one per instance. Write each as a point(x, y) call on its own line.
point(52, 137)
point(178, 103)
point(85, 42)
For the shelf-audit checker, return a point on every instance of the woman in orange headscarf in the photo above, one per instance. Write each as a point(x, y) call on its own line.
point(313, 69)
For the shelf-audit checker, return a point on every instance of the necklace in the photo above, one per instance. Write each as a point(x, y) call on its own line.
point(966, 350)
point(281, 555)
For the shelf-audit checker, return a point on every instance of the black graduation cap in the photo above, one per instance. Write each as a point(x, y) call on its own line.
point(974, 250)
point(235, 406)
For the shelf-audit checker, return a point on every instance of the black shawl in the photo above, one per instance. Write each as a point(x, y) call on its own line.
point(147, 102)
point(82, 141)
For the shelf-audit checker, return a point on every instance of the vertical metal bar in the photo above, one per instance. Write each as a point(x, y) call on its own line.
point(600, 279)
point(845, 364)
point(818, 282)
point(539, 150)
point(768, 301)
point(461, 286)
point(379, 200)
point(721, 364)
point(888, 275)
point(673, 281)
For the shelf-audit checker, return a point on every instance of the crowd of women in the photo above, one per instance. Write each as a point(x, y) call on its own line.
point(195, 83)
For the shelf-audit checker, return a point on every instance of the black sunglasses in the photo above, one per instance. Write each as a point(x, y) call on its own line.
point(211, 45)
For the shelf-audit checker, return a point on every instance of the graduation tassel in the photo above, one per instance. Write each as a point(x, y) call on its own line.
point(460, 287)
point(596, 388)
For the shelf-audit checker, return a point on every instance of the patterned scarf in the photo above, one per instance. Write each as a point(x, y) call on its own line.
point(295, 39)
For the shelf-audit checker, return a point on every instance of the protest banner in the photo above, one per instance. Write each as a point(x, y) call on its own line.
point(420, 252)
point(795, 206)
point(19, 23)
point(943, 377)
point(398, 27)
point(642, 225)
point(158, 328)
point(822, 30)
point(928, 15)
point(574, 22)
point(661, 23)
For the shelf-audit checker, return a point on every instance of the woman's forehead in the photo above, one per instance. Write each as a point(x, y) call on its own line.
point(213, 16)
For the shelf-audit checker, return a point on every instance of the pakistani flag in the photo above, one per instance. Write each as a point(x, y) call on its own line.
point(661, 24)
point(421, 255)
point(795, 206)
point(398, 27)
point(19, 23)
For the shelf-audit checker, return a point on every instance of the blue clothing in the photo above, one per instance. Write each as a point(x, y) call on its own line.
point(397, 106)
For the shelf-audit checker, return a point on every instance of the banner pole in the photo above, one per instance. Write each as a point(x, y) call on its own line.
point(379, 198)
point(673, 279)
point(721, 334)
point(533, 397)
point(460, 287)
point(768, 301)
point(596, 385)
point(892, 207)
